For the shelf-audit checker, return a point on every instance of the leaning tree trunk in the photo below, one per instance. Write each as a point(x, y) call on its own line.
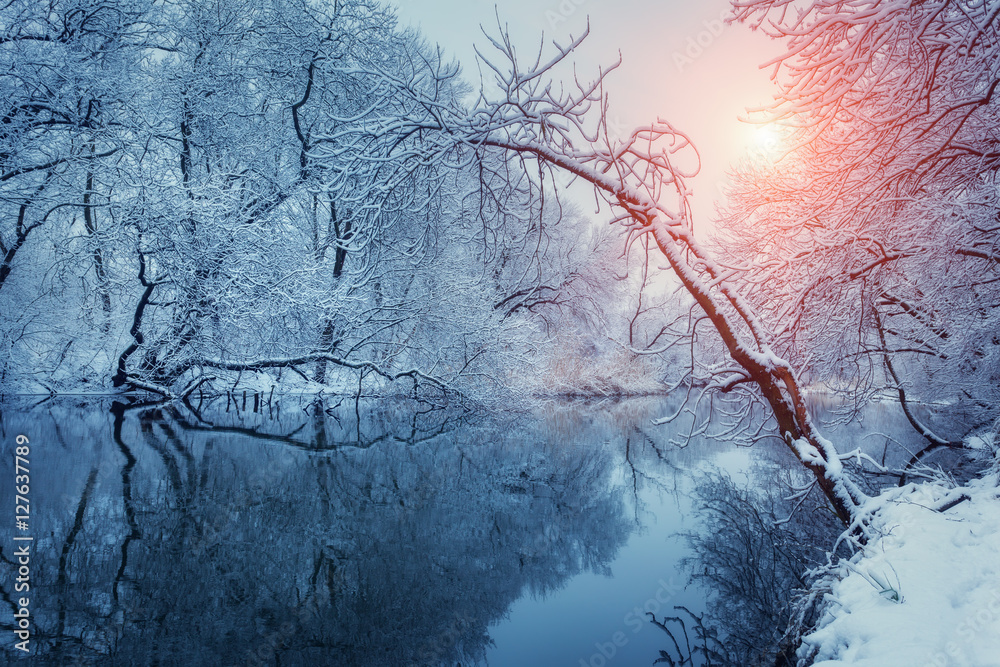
point(565, 128)
point(732, 316)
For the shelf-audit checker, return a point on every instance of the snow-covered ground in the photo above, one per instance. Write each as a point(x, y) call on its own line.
point(925, 589)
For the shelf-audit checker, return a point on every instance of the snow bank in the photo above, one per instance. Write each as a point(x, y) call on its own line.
point(944, 568)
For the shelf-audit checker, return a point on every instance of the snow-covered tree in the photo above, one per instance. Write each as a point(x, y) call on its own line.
point(643, 178)
point(180, 204)
point(872, 233)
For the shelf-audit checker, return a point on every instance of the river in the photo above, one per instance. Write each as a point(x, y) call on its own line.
point(377, 532)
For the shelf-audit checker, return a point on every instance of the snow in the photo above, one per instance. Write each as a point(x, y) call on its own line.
point(945, 571)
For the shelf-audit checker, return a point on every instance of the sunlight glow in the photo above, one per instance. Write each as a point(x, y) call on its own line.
point(766, 138)
point(764, 142)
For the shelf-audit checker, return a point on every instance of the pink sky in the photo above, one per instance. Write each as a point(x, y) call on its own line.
point(679, 62)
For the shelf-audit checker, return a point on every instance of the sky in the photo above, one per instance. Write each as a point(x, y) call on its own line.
point(679, 63)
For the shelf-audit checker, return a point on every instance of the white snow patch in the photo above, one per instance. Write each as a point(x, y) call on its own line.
point(944, 567)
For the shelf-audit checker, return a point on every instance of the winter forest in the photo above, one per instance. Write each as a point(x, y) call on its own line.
point(288, 269)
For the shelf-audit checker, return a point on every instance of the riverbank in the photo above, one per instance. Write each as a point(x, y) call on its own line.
point(925, 590)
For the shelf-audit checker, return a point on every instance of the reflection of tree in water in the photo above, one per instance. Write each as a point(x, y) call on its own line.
point(751, 550)
point(199, 545)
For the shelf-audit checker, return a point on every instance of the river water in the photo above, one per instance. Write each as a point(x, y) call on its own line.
point(387, 532)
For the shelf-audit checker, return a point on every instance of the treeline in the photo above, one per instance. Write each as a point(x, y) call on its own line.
point(177, 204)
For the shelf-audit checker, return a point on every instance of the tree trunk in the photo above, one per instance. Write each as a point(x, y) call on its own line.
point(97, 254)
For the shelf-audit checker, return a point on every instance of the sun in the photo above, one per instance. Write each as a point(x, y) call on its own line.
point(765, 140)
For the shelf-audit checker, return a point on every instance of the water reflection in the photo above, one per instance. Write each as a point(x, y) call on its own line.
point(754, 537)
point(393, 534)
point(751, 549)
